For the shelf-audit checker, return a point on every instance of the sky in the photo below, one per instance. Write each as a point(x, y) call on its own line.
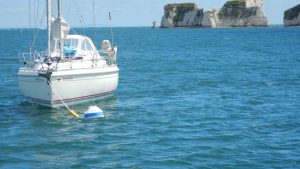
point(124, 13)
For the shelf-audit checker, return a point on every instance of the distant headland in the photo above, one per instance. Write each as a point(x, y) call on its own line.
point(234, 13)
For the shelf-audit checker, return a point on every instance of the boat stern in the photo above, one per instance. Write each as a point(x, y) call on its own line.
point(35, 87)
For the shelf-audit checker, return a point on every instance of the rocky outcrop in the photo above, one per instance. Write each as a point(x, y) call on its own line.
point(235, 13)
point(242, 13)
point(182, 15)
point(211, 18)
point(292, 16)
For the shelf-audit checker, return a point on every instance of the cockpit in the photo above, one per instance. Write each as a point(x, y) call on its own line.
point(74, 46)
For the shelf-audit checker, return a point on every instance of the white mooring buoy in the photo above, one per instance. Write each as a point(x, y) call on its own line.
point(93, 112)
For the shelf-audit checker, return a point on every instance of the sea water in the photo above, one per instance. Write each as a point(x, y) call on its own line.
point(187, 98)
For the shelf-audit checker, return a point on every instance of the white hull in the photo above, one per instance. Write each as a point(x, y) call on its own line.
point(73, 86)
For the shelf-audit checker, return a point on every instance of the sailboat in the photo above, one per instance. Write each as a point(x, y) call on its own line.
point(71, 65)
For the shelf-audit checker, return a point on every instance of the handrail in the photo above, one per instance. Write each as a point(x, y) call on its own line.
point(109, 55)
point(30, 59)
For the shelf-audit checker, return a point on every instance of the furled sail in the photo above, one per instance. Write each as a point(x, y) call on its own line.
point(59, 28)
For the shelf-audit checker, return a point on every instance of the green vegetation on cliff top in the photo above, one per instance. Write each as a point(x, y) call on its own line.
point(233, 9)
point(183, 6)
point(237, 9)
point(292, 13)
point(235, 4)
point(181, 10)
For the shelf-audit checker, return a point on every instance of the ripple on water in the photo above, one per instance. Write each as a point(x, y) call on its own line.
point(186, 99)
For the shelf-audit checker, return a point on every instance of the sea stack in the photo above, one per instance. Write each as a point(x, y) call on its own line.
point(181, 15)
point(240, 13)
point(234, 13)
point(153, 24)
point(292, 16)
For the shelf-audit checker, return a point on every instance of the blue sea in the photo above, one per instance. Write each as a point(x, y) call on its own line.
point(187, 98)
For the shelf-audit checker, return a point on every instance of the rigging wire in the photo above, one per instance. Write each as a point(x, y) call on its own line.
point(111, 31)
point(67, 14)
point(29, 22)
point(36, 32)
point(79, 12)
point(36, 19)
point(94, 20)
point(29, 13)
point(67, 11)
point(37, 13)
point(43, 16)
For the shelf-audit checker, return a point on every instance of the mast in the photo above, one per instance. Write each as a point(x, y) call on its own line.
point(60, 38)
point(59, 8)
point(49, 25)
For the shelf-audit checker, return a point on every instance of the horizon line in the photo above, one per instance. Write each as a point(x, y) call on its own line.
point(276, 24)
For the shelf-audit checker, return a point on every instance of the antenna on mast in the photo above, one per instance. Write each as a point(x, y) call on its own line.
point(111, 31)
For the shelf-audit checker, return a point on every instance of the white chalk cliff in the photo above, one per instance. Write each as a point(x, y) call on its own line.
point(292, 16)
point(234, 13)
point(182, 15)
